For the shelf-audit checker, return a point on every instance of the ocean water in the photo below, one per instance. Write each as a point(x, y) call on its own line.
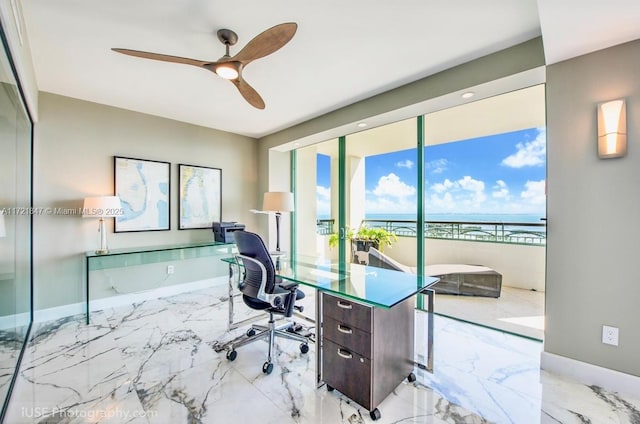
point(463, 217)
point(460, 217)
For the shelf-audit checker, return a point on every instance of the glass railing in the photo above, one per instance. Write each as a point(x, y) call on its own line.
point(324, 226)
point(496, 232)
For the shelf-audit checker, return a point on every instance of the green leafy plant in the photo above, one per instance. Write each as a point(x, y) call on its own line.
point(378, 236)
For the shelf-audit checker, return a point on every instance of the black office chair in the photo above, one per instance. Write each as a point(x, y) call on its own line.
point(262, 289)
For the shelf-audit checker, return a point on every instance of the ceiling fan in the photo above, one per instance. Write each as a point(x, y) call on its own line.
point(230, 67)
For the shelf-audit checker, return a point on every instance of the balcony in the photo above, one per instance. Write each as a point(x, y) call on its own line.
point(514, 249)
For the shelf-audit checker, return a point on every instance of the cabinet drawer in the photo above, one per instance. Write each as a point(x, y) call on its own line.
point(347, 372)
point(351, 313)
point(352, 338)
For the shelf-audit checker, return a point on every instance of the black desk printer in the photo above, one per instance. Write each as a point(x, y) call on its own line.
point(223, 231)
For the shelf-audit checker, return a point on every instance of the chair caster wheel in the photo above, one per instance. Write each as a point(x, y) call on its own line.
point(251, 332)
point(329, 388)
point(375, 414)
point(295, 328)
point(267, 368)
point(411, 378)
point(304, 348)
point(232, 355)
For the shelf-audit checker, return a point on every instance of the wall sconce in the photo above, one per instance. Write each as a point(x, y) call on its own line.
point(612, 129)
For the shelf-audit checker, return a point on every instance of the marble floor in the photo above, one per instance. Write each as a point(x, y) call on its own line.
point(517, 311)
point(156, 362)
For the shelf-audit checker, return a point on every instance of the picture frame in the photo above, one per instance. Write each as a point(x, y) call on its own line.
point(144, 188)
point(200, 196)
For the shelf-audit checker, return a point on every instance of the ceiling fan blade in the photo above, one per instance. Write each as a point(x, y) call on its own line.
point(162, 57)
point(266, 42)
point(249, 93)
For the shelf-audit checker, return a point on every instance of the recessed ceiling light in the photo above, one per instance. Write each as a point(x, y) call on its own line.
point(362, 124)
point(296, 144)
point(468, 95)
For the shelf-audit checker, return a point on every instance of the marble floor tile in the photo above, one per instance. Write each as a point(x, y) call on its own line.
point(11, 342)
point(70, 382)
point(212, 392)
point(159, 361)
point(152, 340)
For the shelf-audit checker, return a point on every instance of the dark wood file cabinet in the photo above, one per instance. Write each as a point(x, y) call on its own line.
point(366, 351)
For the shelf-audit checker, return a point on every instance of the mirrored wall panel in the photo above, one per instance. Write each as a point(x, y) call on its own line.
point(15, 225)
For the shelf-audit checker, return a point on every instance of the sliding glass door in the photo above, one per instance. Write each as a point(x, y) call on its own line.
point(361, 185)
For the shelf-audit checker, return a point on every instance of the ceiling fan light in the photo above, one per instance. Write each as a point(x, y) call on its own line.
point(227, 70)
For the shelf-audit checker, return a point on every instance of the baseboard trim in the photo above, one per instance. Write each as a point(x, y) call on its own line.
point(590, 374)
point(125, 299)
point(15, 321)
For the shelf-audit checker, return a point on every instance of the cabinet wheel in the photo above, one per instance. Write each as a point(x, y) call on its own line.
point(304, 348)
point(251, 332)
point(375, 414)
point(232, 355)
point(267, 368)
point(330, 388)
point(411, 377)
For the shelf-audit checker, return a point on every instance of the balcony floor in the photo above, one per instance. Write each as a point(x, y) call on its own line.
point(517, 311)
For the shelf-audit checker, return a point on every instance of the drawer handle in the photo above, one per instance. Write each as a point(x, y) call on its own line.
point(346, 355)
point(343, 305)
point(345, 330)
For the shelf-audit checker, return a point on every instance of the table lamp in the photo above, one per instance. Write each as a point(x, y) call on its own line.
point(278, 202)
point(102, 207)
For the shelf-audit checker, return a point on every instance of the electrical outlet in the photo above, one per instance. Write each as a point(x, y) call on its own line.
point(610, 335)
point(170, 269)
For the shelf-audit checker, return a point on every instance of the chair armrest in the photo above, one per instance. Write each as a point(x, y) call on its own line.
point(289, 286)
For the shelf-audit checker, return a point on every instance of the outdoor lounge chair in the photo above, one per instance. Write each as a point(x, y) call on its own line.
point(459, 279)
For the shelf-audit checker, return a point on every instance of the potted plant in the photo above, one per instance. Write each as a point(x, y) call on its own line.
point(364, 238)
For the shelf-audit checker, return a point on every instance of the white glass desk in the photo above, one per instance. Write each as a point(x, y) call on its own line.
point(368, 285)
point(135, 256)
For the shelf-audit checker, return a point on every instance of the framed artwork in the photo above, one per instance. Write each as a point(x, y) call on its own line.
point(143, 187)
point(200, 196)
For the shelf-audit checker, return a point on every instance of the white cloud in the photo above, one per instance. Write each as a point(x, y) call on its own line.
point(534, 192)
point(392, 206)
point(390, 185)
point(463, 195)
point(323, 200)
point(500, 190)
point(444, 203)
point(531, 153)
point(469, 184)
point(405, 164)
point(443, 186)
point(437, 166)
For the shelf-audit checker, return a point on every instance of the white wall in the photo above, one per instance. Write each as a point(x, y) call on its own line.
point(18, 40)
point(593, 209)
point(75, 142)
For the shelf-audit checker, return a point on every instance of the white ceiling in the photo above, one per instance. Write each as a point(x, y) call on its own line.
point(343, 51)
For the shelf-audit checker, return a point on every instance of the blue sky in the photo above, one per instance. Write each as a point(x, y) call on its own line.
point(497, 174)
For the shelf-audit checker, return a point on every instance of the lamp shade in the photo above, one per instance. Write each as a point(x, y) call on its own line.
point(612, 129)
point(278, 201)
point(102, 207)
point(3, 231)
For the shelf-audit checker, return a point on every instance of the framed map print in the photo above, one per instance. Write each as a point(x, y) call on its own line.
point(200, 196)
point(143, 188)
